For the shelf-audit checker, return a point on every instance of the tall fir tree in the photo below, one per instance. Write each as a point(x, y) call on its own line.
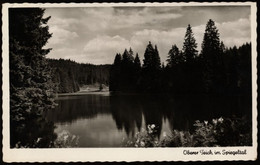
point(189, 46)
point(148, 56)
point(150, 78)
point(211, 44)
point(31, 88)
point(211, 54)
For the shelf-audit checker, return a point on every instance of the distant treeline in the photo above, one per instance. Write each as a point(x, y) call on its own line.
point(69, 76)
point(216, 69)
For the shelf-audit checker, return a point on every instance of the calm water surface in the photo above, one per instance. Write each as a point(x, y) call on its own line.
point(105, 120)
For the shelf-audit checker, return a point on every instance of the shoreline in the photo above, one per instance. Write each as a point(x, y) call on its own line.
point(84, 92)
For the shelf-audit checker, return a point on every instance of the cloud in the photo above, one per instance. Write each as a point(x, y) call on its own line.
point(96, 34)
point(124, 18)
point(102, 49)
point(105, 48)
point(65, 23)
point(61, 36)
point(235, 33)
point(63, 52)
point(163, 39)
point(147, 16)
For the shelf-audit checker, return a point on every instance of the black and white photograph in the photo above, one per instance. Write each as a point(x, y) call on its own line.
point(126, 77)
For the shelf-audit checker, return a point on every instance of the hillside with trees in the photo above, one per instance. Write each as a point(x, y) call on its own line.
point(216, 70)
point(69, 76)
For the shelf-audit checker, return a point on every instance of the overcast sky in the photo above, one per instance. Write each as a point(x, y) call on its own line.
point(95, 34)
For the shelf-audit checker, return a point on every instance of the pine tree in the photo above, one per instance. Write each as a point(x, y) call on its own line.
point(137, 72)
point(137, 62)
point(125, 56)
point(211, 43)
point(148, 56)
point(115, 73)
point(128, 58)
point(151, 57)
point(212, 55)
point(189, 46)
point(156, 59)
point(131, 55)
point(174, 57)
point(31, 89)
point(150, 78)
point(118, 59)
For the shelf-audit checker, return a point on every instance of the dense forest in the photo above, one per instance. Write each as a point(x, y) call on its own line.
point(215, 70)
point(69, 76)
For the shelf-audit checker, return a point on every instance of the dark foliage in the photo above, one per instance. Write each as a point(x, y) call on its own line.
point(151, 71)
point(115, 74)
point(31, 88)
point(128, 75)
point(125, 72)
point(69, 75)
point(189, 46)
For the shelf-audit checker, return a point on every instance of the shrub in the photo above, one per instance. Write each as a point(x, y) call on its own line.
point(145, 138)
point(177, 139)
point(219, 132)
point(65, 140)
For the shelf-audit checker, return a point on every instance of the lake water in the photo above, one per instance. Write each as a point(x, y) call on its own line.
point(105, 120)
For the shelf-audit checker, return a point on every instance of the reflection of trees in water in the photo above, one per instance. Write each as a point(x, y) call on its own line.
point(153, 111)
point(88, 106)
point(187, 109)
point(181, 111)
point(128, 111)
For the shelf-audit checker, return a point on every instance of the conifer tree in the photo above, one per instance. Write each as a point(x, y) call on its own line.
point(137, 62)
point(189, 45)
point(156, 58)
point(174, 57)
point(125, 57)
point(211, 43)
point(137, 71)
point(212, 55)
point(131, 55)
point(148, 56)
point(31, 89)
point(151, 69)
point(115, 73)
point(151, 57)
